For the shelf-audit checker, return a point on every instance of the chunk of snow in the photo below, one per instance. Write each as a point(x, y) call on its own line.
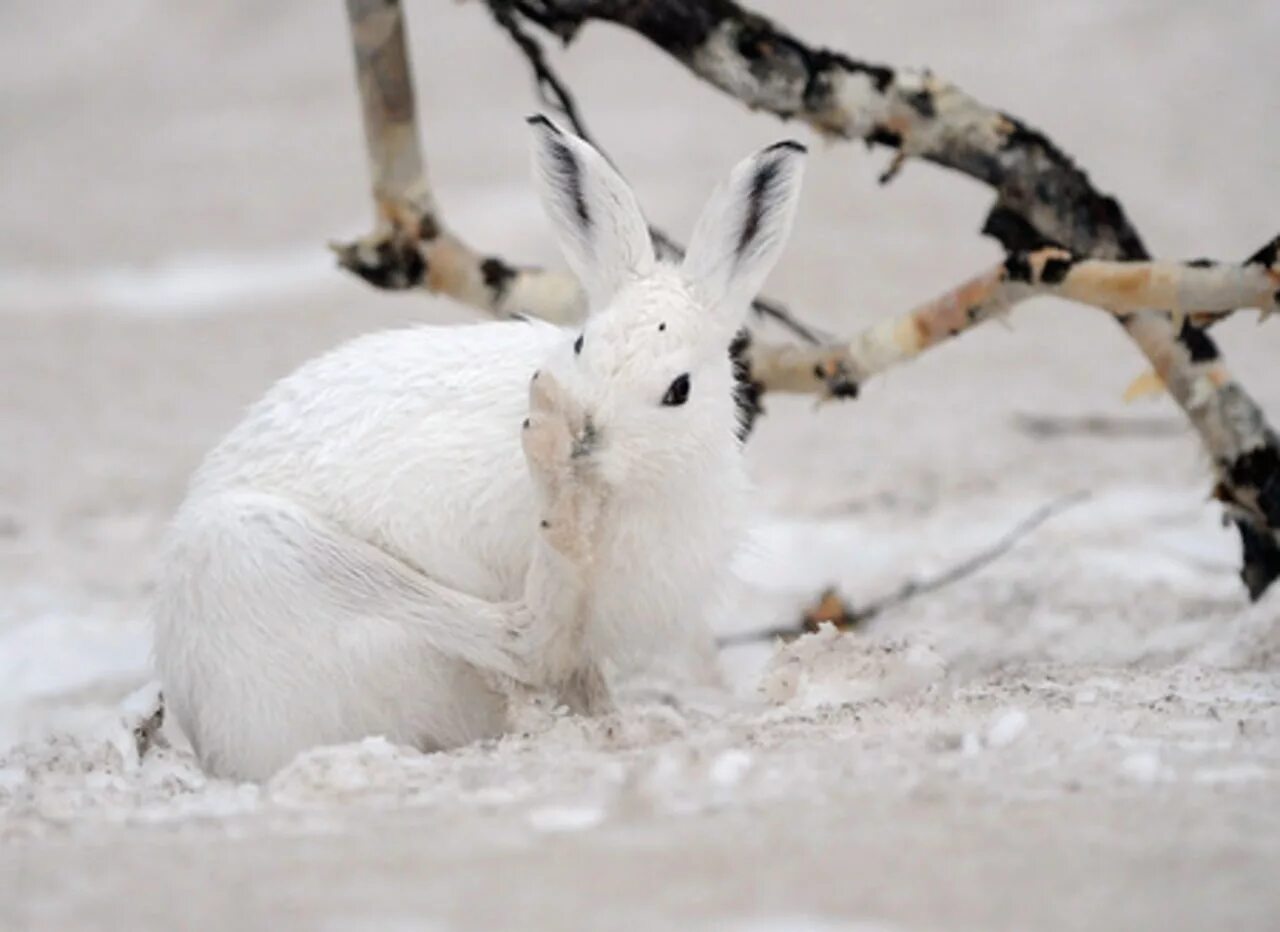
point(1007, 728)
point(1144, 767)
point(827, 668)
point(565, 818)
point(730, 767)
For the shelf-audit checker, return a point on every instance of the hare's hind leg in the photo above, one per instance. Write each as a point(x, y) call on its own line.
point(277, 631)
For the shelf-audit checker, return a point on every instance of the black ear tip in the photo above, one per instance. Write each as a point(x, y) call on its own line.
point(540, 121)
point(790, 145)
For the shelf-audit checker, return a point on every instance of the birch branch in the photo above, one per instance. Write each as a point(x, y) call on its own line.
point(410, 246)
point(1042, 199)
point(1193, 289)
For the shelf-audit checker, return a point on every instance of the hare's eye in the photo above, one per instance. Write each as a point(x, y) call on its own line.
point(577, 346)
point(678, 393)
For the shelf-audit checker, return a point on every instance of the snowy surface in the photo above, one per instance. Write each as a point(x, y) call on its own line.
point(1086, 734)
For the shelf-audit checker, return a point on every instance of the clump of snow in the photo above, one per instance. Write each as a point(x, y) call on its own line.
point(730, 767)
point(97, 773)
point(565, 818)
point(1250, 640)
point(1241, 773)
point(827, 668)
point(1145, 767)
point(1006, 728)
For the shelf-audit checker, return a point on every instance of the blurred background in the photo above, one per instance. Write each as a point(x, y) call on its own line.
point(171, 171)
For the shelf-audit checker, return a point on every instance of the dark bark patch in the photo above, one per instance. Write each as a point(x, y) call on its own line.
point(428, 227)
point(1259, 470)
point(1056, 269)
point(885, 137)
point(922, 103)
point(1261, 564)
point(1198, 343)
point(397, 266)
point(838, 385)
point(1267, 255)
point(1013, 231)
point(1035, 169)
point(497, 276)
point(822, 65)
point(880, 76)
point(1022, 136)
point(679, 27)
point(843, 388)
point(1017, 268)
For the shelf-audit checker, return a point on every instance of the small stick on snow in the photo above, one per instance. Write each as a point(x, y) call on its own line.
point(833, 610)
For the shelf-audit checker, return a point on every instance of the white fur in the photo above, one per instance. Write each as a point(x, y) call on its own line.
point(363, 553)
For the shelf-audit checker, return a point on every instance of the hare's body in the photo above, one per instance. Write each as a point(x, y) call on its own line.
point(409, 439)
point(405, 527)
point(407, 442)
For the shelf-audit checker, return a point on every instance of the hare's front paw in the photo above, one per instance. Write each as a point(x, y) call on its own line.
point(558, 441)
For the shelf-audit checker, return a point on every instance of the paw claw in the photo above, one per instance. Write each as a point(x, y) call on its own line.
point(546, 394)
point(547, 447)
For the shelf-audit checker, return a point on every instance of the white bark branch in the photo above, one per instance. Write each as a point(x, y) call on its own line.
point(1043, 200)
point(1198, 289)
point(410, 246)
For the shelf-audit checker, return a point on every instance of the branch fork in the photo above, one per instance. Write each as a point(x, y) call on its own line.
point(1062, 236)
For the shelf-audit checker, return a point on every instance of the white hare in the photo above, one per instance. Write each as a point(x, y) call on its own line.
point(422, 515)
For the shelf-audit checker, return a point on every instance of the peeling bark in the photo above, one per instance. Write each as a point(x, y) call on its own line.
point(1042, 199)
point(1191, 290)
point(410, 246)
point(1047, 214)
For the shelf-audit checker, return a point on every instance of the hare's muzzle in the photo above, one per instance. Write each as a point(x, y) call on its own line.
point(584, 443)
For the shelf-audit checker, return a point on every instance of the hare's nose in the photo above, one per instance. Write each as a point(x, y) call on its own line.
point(585, 439)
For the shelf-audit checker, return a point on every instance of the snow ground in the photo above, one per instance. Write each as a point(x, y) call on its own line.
point(1084, 735)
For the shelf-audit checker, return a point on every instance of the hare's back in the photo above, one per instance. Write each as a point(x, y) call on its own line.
point(409, 439)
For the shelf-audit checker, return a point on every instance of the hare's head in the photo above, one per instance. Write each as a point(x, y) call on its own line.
point(650, 367)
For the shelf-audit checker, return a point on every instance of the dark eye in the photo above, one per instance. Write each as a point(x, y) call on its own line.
point(678, 393)
point(577, 345)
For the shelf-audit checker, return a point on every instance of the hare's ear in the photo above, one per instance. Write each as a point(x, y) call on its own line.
point(596, 217)
point(742, 230)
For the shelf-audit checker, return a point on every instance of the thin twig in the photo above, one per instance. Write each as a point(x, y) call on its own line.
point(1042, 199)
point(830, 609)
point(1052, 426)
